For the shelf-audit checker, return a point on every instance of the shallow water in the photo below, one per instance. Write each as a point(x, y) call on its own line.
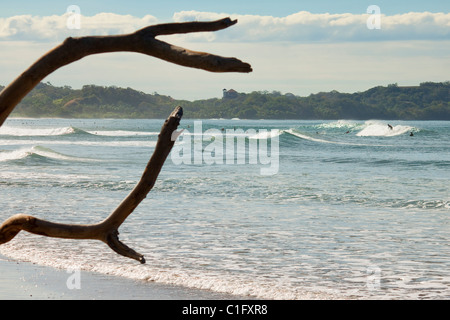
point(344, 209)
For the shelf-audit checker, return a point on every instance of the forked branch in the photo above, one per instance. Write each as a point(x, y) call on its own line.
point(107, 230)
point(72, 49)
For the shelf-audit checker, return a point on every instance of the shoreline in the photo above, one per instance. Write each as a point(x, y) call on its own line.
point(21, 280)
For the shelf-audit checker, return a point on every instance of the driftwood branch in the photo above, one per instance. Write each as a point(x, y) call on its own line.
point(72, 49)
point(107, 230)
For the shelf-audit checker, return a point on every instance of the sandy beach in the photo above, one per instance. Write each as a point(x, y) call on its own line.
point(26, 281)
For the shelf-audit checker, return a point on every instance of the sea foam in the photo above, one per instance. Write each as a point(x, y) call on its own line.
point(29, 132)
point(378, 129)
point(39, 151)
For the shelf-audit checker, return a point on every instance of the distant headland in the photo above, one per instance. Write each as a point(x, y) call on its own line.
point(427, 101)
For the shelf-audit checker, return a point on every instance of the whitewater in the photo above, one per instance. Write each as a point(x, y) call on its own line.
point(357, 209)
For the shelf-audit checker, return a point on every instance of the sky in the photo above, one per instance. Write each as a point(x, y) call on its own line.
point(294, 46)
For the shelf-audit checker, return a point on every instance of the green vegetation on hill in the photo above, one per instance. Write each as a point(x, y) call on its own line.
point(429, 101)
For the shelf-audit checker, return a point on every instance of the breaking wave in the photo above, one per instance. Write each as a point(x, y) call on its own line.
point(379, 129)
point(35, 132)
point(370, 128)
point(62, 131)
point(37, 152)
point(122, 133)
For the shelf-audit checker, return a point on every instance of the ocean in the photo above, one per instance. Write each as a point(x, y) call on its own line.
point(261, 208)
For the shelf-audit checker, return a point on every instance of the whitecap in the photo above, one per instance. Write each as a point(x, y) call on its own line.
point(40, 151)
point(265, 134)
point(379, 129)
point(24, 132)
point(122, 133)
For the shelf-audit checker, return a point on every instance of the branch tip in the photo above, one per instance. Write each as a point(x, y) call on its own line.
point(119, 247)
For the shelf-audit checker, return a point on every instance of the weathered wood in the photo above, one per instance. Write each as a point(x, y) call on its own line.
point(107, 230)
point(73, 49)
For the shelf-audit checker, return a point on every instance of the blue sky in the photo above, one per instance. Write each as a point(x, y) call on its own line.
point(294, 46)
point(165, 9)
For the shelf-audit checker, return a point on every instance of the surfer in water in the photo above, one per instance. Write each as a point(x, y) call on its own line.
point(390, 127)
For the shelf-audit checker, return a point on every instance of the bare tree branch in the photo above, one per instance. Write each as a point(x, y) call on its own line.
point(107, 230)
point(187, 27)
point(73, 49)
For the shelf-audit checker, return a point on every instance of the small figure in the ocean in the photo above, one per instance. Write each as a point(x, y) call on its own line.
point(411, 134)
point(390, 127)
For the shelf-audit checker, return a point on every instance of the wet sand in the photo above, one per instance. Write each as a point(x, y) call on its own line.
point(26, 281)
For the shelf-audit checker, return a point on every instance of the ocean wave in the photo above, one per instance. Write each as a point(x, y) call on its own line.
point(36, 132)
point(346, 124)
point(264, 135)
point(422, 204)
point(380, 129)
point(261, 134)
point(129, 143)
point(122, 133)
point(62, 131)
point(304, 136)
point(369, 128)
point(37, 152)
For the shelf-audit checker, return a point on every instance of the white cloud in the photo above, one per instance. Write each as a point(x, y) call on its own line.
point(298, 27)
point(309, 27)
point(51, 28)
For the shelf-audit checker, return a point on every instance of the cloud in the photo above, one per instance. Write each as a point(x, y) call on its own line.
point(55, 28)
point(302, 26)
point(309, 27)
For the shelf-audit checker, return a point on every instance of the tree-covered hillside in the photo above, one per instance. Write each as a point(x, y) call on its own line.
point(92, 102)
point(429, 101)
